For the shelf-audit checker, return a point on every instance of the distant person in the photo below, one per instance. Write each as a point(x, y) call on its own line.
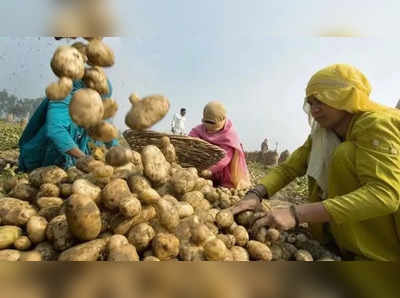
point(352, 160)
point(178, 123)
point(217, 129)
point(52, 138)
point(264, 146)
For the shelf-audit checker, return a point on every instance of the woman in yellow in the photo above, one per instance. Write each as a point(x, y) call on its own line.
point(352, 159)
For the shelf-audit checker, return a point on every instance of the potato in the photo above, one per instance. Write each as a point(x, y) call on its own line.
point(146, 112)
point(229, 240)
point(130, 206)
point(239, 254)
point(120, 250)
point(277, 252)
point(51, 174)
point(288, 251)
point(210, 193)
point(82, 48)
point(48, 190)
point(167, 214)
point(98, 53)
point(138, 183)
point(183, 181)
point(120, 224)
point(157, 226)
point(125, 171)
point(8, 235)
point(59, 234)
point(47, 252)
point(191, 253)
point(197, 201)
point(22, 243)
point(184, 229)
point(96, 79)
point(215, 250)
point(147, 214)
point(273, 234)
point(88, 251)
point(200, 184)
point(156, 167)
point(30, 256)
point(49, 213)
point(83, 217)
point(165, 246)
point(261, 235)
point(118, 156)
point(74, 173)
point(168, 149)
point(87, 189)
point(68, 62)
point(201, 234)
point(224, 200)
point(224, 219)
point(86, 165)
point(36, 229)
point(140, 236)
point(103, 171)
point(48, 202)
point(259, 251)
point(110, 108)
point(15, 212)
point(104, 132)
point(245, 218)
point(86, 108)
point(23, 192)
point(303, 256)
point(184, 209)
point(9, 255)
point(301, 238)
point(114, 192)
point(59, 90)
point(241, 236)
point(149, 196)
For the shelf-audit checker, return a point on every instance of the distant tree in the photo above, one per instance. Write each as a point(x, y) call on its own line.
point(20, 108)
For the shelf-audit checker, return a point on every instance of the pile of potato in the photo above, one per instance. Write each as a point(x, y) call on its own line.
point(134, 206)
point(9, 135)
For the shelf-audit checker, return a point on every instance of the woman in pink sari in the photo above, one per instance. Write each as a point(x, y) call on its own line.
point(231, 171)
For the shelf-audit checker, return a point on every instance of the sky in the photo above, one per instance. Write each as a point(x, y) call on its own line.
point(256, 57)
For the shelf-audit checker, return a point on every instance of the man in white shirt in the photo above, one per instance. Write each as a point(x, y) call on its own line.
point(178, 123)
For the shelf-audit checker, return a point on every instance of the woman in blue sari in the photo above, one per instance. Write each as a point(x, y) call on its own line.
point(52, 138)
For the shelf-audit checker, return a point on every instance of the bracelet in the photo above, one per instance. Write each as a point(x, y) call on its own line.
point(292, 209)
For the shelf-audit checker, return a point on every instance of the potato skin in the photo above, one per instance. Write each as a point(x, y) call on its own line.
point(83, 217)
point(86, 108)
point(146, 112)
point(36, 229)
point(60, 89)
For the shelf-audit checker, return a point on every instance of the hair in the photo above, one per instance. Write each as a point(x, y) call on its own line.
point(183, 110)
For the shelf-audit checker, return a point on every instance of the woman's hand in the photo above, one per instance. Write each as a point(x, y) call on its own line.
point(250, 202)
point(280, 218)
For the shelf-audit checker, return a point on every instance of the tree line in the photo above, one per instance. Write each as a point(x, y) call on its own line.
point(18, 108)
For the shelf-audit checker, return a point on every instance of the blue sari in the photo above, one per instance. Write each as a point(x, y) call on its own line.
point(51, 133)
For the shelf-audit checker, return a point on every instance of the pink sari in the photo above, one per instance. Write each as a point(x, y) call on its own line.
point(231, 171)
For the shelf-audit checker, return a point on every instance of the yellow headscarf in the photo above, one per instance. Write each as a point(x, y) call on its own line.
point(342, 87)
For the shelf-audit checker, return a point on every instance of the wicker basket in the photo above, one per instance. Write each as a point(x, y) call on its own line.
point(190, 152)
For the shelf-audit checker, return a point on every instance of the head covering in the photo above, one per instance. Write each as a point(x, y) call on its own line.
point(342, 87)
point(214, 111)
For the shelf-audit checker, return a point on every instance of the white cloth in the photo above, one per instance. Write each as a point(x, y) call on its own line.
point(324, 143)
point(178, 124)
